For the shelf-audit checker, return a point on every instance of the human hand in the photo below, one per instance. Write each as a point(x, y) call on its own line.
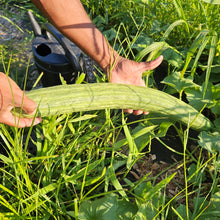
point(130, 72)
point(18, 99)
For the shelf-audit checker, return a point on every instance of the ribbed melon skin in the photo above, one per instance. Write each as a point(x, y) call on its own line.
point(97, 96)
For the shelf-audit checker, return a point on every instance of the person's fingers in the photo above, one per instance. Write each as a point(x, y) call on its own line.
point(18, 96)
point(145, 66)
point(154, 63)
point(11, 120)
point(129, 111)
point(135, 112)
point(21, 100)
point(27, 122)
point(29, 106)
point(139, 112)
point(146, 113)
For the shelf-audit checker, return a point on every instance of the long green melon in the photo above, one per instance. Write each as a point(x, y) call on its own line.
point(96, 96)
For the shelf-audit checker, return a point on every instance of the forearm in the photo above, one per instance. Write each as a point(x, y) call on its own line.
point(70, 18)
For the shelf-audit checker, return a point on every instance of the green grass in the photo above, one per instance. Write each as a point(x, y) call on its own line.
point(84, 162)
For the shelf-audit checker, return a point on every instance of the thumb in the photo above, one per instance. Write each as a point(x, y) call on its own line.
point(9, 119)
point(29, 106)
point(154, 63)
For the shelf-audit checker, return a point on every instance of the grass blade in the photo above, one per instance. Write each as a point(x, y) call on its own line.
point(213, 45)
point(201, 49)
point(116, 183)
point(171, 27)
point(195, 45)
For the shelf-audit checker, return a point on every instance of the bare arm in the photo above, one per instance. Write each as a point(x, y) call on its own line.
point(72, 20)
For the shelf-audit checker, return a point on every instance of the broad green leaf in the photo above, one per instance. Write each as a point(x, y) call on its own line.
point(182, 212)
point(110, 34)
point(174, 80)
point(173, 57)
point(107, 208)
point(142, 42)
point(151, 199)
point(216, 96)
point(142, 130)
point(216, 201)
point(210, 141)
point(213, 209)
point(191, 170)
point(217, 92)
point(156, 26)
point(164, 126)
point(162, 184)
point(193, 174)
point(217, 122)
point(200, 204)
point(146, 212)
point(99, 20)
point(143, 188)
point(216, 108)
point(196, 99)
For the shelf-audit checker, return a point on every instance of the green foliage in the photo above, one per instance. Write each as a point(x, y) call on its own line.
point(106, 208)
point(210, 142)
point(217, 2)
point(178, 83)
point(82, 165)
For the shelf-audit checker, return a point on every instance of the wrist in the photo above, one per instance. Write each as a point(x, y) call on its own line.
point(109, 62)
